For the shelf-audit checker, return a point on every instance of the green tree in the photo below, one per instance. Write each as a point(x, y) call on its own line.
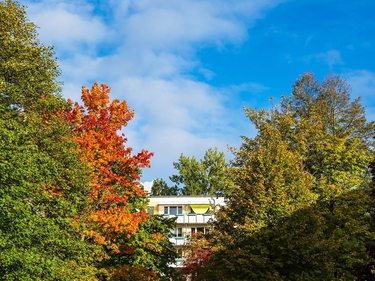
point(331, 133)
point(364, 271)
point(204, 177)
point(300, 206)
point(312, 243)
point(28, 69)
point(161, 188)
point(43, 184)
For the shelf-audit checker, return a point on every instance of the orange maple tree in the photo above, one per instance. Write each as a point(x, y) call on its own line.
point(117, 196)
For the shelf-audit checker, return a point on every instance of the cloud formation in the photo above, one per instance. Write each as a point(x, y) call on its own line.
point(363, 85)
point(145, 51)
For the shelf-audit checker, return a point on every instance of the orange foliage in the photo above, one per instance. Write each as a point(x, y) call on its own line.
point(115, 171)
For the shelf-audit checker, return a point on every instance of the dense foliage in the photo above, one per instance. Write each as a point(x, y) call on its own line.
point(300, 194)
point(204, 177)
point(43, 184)
point(161, 188)
point(300, 209)
point(72, 205)
point(135, 242)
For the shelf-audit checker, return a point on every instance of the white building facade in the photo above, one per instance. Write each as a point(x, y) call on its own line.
point(192, 214)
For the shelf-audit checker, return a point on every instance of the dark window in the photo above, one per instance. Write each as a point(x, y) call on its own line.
point(197, 230)
point(173, 210)
point(177, 232)
point(200, 229)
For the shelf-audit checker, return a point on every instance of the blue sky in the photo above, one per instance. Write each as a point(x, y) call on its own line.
point(189, 67)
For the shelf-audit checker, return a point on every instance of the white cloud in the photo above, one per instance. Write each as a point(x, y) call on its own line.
point(362, 82)
point(250, 87)
point(68, 26)
point(208, 74)
point(174, 28)
point(363, 85)
point(147, 185)
point(330, 57)
point(174, 117)
point(145, 51)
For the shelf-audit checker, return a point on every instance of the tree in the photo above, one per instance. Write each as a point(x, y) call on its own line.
point(300, 206)
point(161, 188)
point(28, 69)
point(136, 244)
point(364, 271)
point(197, 254)
point(204, 177)
point(116, 193)
point(43, 184)
point(148, 251)
point(331, 134)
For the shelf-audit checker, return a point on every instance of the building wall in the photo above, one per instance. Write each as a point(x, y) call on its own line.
point(191, 215)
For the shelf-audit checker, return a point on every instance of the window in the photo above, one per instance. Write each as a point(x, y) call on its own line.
point(177, 232)
point(150, 210)
point(198, 230)
point(173, 210)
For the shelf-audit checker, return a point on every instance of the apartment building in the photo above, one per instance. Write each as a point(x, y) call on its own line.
point(192, 215)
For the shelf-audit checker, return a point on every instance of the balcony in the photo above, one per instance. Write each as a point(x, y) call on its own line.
point(178, 241)
point(192, 218)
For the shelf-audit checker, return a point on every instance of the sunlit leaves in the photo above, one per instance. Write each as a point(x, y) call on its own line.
point(137, 245)
point(43, 183)
point(206, 176)
point(300, 206)
point(116, 192)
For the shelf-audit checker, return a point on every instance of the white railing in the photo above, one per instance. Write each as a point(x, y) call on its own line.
point(192, 218)
point(178, 241)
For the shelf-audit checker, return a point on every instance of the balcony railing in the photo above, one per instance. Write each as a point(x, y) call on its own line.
point(178, 241)
point(192, 218)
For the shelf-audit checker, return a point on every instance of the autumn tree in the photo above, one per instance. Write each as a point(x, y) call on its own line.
point(43, 183)
point(204, 177)
point(197, 253)
point(118, 221)
point(300, 206)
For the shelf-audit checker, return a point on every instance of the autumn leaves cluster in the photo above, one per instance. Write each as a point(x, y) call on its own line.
point(115, 171)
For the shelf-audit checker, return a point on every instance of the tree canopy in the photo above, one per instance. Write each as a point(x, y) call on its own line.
point(43, 183)
point(300, 206)
point(300, 194)
point(161, 188)
point(136, 244)
point(206, 176)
